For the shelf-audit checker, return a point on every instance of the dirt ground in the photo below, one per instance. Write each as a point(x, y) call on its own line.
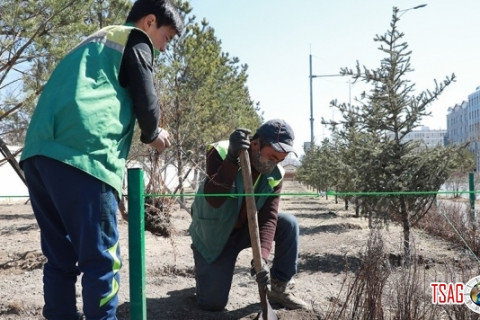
point(329, 235)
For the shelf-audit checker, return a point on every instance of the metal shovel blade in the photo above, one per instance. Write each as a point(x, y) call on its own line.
point(269, 312)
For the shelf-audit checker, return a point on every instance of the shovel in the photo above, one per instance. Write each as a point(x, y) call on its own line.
point(267, 311)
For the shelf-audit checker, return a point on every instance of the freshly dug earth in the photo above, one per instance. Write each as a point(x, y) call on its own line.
point(332, 241)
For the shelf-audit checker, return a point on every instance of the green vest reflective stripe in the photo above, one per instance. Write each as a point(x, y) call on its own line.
point(84, 117)
point(221, 146)
point(211, 227)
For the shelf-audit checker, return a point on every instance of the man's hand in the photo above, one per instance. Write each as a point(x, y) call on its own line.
point(263, 276)
point(161, 142)
point(238, 140)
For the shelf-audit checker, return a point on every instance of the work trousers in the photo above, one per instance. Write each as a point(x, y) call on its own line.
point(214, 280)
point(76, 214)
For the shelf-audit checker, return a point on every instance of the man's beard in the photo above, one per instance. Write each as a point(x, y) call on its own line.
point(263, 165)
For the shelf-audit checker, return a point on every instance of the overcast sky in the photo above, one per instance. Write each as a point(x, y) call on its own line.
point(275, 39)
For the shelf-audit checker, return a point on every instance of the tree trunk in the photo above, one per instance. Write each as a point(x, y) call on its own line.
point(180, 174)
point(357, 208)
point(406, 230)
point(195, 179)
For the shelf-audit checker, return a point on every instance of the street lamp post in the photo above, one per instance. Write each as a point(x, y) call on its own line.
point(311, 76)
point(412, 8)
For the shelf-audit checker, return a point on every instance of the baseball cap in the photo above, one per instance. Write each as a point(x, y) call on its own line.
point(279, 134)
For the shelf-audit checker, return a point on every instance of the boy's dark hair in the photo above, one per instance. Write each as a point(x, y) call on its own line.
point(164, 11)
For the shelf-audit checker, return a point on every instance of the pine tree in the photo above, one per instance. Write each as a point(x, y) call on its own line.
point(203, 97)
point(204, 94)
point(375, 131)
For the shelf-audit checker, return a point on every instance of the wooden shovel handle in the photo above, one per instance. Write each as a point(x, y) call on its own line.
point(267, 311)
point(251, 210)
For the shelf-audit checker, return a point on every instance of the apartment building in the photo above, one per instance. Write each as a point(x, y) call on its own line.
point(430, 138)
point(463, 124)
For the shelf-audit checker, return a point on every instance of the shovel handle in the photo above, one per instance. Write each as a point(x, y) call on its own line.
point(251, 210)
point(267, 311)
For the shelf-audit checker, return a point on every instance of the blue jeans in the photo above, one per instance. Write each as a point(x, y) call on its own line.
point(76, 214)
point(214, 280)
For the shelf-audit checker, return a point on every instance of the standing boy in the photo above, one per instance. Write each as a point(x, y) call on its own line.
point(75, 152)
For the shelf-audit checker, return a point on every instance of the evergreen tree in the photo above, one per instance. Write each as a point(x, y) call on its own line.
point(374, 134)
point(318, 169)
point(203, 95)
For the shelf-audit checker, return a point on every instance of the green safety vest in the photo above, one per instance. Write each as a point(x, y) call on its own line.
point(84, 117)
point(211, 227)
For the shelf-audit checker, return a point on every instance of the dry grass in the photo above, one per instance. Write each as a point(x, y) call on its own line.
point(382, 290)
point(450, 221)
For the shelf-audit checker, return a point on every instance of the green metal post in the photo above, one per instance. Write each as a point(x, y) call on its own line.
point(136, 244)
point(471, 188)
point(473, 216)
